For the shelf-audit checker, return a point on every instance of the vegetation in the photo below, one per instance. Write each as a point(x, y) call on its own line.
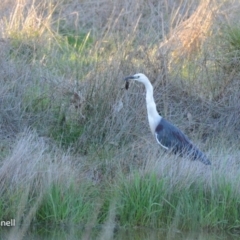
point(75, 146)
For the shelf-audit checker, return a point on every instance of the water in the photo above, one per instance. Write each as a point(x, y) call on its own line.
point(77, 232)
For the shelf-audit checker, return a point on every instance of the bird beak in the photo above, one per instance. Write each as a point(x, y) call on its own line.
point(129, 77)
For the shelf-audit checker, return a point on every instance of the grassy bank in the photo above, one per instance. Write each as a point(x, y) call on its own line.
point(76, 147)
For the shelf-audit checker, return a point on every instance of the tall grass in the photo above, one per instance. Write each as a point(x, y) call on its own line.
point(75, 146)
point(150, 201)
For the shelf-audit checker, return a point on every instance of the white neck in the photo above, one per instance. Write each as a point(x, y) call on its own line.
point(153, 116)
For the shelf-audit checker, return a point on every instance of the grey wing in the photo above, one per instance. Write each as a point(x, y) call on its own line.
point(170, 137)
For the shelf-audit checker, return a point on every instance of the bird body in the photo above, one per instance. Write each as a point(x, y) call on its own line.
point(170, 137)
point(167, 135)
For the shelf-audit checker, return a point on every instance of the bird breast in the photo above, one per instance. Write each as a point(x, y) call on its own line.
point(153, 122)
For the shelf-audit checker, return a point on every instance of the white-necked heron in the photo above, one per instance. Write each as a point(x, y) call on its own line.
point(167, 135)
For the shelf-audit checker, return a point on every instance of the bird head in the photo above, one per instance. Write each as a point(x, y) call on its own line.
point(140, 77)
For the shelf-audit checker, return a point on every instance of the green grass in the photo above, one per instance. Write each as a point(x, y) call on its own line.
point(233, 37)
point(150, 201)
point(69, 204)
point(64, 131)
point(146, 201)
point(69, 54)
point(141, 201)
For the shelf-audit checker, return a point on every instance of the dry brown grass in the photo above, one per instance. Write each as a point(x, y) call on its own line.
point(187, 38)
point(204, 93)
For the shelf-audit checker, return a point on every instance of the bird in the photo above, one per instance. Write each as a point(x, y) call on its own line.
point(167, 135)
